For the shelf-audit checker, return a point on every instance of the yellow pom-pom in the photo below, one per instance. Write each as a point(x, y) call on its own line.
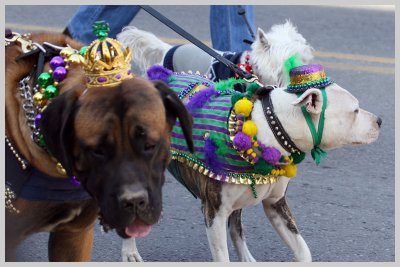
point(243, 107)
point(273, 172)
point(255, 144)
point(249, 128)
point(290, 170)
point(253, 154)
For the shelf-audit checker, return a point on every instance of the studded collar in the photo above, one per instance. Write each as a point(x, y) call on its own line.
point(276, 127)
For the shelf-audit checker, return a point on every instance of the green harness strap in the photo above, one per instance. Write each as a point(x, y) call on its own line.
point(317, 153)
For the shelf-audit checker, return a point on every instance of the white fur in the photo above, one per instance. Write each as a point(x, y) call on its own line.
point(269, 50)
point(129, 251)
point(146, 48)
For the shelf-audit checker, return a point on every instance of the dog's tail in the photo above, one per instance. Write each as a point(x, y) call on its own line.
point(146, 48)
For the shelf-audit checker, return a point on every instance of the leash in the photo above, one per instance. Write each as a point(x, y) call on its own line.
point(248, 77)
point(242, 12)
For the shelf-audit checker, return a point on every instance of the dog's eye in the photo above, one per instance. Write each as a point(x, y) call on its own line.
point(140, 131)
point(356, 111)
point(98, 153)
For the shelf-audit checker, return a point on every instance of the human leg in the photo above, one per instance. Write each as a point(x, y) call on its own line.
point(228, 29)
point(118, 16)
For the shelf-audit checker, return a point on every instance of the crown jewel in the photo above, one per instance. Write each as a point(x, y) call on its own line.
point(107, 61)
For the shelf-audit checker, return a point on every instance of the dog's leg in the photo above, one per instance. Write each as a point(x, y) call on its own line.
point(130, 251)
point(216, 233)
point(71, 245)
point(237, 236)
point(282, 220)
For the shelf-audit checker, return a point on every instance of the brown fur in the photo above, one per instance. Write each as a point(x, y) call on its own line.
point(116, 113)
point(208, 190)
point(35, 216)
point(283, 210)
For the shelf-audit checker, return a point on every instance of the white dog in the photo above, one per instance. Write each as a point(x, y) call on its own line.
point(345, 124)
point(268, 53)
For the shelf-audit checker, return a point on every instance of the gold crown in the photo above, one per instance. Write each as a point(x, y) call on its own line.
point(107, 61)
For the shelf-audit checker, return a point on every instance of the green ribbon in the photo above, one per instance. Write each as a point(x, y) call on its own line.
point(317, 153)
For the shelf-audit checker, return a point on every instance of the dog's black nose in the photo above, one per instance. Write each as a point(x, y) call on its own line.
point(379, 122)
point(135, 200)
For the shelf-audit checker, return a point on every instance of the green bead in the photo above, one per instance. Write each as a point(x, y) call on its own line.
point(83, 51)
point(101, 29)
point(45, 79)
point(51, 91)
point(41, 141)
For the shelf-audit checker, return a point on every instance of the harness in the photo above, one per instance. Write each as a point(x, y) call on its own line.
point(22, 179)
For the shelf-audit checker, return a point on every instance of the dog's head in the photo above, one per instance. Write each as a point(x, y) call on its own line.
point(270, 50)
point(345, 122)
point(116, 141)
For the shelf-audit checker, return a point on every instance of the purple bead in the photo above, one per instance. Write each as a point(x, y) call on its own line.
point(129, 72)
point(74, 181)
point(37, 120)
point(56, 62)
point(118, 76)
point(102, 79)
point(59, 74)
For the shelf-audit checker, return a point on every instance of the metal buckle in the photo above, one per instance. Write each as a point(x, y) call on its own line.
point(26, 45)
point(254, 79)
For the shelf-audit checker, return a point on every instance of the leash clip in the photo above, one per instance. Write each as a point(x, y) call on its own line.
point(254, 79)
point(26, 45)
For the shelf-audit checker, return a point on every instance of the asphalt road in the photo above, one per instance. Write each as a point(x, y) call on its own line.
point(344, 208)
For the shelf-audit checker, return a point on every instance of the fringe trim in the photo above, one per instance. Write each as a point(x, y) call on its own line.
point(230, 177)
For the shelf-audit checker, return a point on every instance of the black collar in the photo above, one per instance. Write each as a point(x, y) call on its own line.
point(276, 127)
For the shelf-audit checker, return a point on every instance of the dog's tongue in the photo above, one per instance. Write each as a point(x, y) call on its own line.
point(138, 229)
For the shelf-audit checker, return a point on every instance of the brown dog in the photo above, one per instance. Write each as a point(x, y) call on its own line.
point(114, 139)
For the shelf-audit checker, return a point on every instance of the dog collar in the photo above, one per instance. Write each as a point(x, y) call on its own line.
point(276, 127)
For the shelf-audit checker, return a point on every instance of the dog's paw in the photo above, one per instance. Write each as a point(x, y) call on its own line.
point(129, 251)
point(131, 257)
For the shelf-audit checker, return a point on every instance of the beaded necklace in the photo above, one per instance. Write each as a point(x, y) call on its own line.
point(49, 88)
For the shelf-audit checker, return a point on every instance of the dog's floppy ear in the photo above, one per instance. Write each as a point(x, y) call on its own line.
point(262, 38)
point(311, 99)
point(175, 109)
point(57, 128)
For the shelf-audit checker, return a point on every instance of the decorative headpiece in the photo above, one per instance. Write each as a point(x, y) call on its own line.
point(107, 61)
point(307, 76)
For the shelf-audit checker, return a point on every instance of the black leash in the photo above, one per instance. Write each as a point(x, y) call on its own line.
point(248, 77)
point(242, 12)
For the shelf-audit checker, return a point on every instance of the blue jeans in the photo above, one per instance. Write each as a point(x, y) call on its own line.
point(80, 25)
point(228, 29)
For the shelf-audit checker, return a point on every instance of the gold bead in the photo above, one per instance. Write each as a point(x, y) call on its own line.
point(60, 169)
point(75, 59)
point(39, 100)
point(66, 52)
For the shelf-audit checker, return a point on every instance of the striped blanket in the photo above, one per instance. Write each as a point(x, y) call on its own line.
point(211, 109)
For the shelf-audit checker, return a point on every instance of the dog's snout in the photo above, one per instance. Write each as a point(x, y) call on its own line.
point(134, 200)
point(379, 122)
